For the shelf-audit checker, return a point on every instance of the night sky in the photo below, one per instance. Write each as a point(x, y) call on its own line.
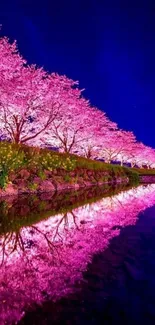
point(109, 46)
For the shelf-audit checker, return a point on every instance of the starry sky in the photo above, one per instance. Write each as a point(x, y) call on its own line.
point(109, 46)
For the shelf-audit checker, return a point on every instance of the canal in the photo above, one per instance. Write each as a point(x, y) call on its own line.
point(84, 257)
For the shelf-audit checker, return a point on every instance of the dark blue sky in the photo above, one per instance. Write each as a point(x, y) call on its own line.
point(109, 46)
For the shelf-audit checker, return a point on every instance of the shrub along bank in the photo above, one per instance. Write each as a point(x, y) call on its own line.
point(24, 168)
point(144, 171)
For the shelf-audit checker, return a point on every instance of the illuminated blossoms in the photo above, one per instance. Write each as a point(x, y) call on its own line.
point(45, 109)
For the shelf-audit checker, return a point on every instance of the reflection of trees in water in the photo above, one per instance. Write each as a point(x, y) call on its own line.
point(17, 212)
point(121, 205)
point(16, 241)
point(46, 259)
point(63, 226)
point(65, 220)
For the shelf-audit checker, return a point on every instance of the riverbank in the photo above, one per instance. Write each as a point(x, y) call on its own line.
point(26, 169)
point(146, 176)
point(25, 182)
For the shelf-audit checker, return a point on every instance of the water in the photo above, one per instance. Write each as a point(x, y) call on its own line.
point(85, 257)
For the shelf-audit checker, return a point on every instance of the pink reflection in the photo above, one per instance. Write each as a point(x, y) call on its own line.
point(46, 259)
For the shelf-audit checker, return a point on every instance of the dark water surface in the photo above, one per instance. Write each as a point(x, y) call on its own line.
point(85, 257)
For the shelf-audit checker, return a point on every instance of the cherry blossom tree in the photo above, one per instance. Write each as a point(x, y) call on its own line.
point(117, 146)
point(31, 101)
point(11, 61)
point(89, 147)
point(142, 155)
point(70, 126)
point(96, 127)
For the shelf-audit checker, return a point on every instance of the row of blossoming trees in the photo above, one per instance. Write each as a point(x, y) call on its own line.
point(38, 108)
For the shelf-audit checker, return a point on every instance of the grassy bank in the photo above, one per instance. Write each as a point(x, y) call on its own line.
point(20, 162)
point(143, 171)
